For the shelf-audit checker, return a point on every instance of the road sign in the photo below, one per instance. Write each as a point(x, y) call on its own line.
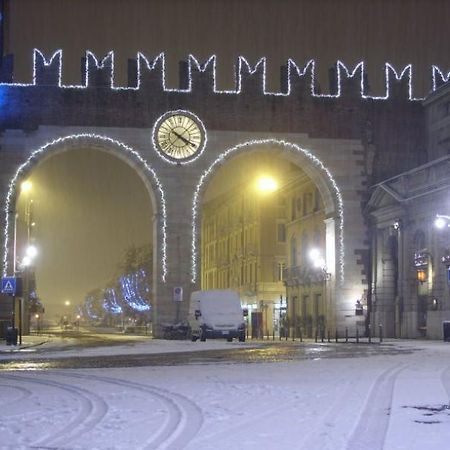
point(178, 294)
point(9, 285)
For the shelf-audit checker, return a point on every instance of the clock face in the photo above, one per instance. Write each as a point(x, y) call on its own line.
point(179, 135)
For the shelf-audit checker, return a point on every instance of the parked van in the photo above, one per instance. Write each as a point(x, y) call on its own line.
point(216, 314)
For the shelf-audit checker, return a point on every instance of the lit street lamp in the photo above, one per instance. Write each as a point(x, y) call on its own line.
point(442, 221)
point(266, 184)
point(318, 262)
point(26, 263)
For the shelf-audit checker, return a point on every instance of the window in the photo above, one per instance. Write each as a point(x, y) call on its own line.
point(281, 232)
point(419, 241)
point(293, 251)
point(305, 245)
point(281, 267)
point(317, 200)
point(307, 203)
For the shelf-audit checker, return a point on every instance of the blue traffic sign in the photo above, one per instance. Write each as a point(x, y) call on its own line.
point(9, 285)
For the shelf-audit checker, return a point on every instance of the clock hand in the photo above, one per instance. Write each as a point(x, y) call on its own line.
point(179, 136)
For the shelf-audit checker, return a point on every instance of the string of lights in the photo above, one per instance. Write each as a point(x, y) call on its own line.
point(135, 290)
point(89, 308)
point(290, 146)
point(244, 68)
point(33, 158)
point(111, 302)
point(444, 77)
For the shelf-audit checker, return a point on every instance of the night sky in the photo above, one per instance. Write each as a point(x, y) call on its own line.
point(88, 207)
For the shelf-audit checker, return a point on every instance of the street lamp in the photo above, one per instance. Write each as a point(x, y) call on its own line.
point(266, 184)
point(27, 260)
point(442, 221)
point(318, 262)
point(26, 186)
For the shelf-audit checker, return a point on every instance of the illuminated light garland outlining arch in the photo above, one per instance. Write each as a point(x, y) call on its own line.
point(242, 63)
point(20, 171)
point(313, 159)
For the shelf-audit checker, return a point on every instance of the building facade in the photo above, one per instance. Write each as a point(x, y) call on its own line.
point(343, 142)
point(305, 277)
point(410, 253)
point(244, 248)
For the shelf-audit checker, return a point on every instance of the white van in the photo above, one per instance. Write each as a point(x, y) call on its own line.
point(216, 314)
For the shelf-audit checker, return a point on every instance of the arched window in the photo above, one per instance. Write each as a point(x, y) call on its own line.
point(305, 247)
point(419, 243)
point(317, 238)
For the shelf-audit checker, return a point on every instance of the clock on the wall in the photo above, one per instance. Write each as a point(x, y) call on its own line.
point(179, 136)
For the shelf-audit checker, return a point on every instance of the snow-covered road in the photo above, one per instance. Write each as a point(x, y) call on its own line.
point(379, 402)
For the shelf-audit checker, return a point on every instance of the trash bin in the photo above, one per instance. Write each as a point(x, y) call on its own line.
point(446, 330)
point(11, 336)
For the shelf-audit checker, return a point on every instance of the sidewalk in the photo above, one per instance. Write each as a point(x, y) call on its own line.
point(27, 342)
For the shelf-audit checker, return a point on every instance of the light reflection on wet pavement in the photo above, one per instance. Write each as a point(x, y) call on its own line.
point(262, 353)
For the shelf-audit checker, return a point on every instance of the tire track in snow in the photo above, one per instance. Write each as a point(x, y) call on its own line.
point(93, 409)
point(24, 393)
point(246, 424)
point(445, 380)
point(330, 416)
point(184, 419)
point(370, 432)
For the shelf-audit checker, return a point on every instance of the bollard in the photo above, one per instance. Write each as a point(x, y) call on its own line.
point(381, 332)
point(301, 335)
point(329, 337)
point(336, 336)
point(357, 336)
point(346, 335)
point(315, 335)
point(273, 335)
point(370, 334)
point(322, 334)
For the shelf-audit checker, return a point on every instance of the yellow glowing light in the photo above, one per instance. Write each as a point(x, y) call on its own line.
point(26, 186)
point(267, 184)
point(422, 275)
point(67, 302)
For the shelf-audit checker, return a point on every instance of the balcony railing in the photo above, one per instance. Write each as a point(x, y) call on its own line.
point(304, 275)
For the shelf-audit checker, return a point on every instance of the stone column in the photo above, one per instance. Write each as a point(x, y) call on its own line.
point(178, 252)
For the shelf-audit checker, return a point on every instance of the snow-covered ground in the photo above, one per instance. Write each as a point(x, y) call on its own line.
point(378, 402)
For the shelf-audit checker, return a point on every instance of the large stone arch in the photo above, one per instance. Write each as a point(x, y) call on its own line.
point(312, 166)
point(108, 145)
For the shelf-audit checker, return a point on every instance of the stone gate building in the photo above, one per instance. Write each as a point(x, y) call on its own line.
point(346, 141)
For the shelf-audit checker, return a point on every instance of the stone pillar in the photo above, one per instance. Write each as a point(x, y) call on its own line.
point(178, 254)
point(330, 259)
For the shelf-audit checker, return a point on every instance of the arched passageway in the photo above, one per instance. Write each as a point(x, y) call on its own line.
point(89, 207)
point(280, 248)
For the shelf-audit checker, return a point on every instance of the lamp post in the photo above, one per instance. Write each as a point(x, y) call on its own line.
point(28, 257)
point(265, 186)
